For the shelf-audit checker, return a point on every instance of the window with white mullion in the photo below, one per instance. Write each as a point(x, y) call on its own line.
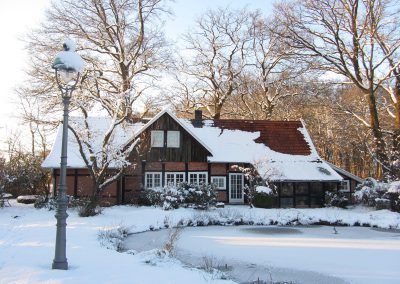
point(152, 180)
point(174, 178)
point(219, 182)
point(198, 178)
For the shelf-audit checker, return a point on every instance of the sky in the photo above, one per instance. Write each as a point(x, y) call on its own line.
point(17, 17)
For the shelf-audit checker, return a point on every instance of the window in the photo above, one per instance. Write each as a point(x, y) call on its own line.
point(173, 139)
point(152, 180)
point(345, 186)
point(236, 187)
point(331, 186)
point(157, 138)
point(287, 189)
point(220, 182)
point(286, 202)
point(198, 178)
point(316, 189)
point(173, 179)
point(302, 188)
point(302, 201)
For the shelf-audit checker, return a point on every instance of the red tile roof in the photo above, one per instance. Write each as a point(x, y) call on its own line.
point(280, 136)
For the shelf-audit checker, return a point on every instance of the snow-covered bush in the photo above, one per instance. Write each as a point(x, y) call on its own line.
point(23, 175)
point(45, 202)
point(3, 198)
point(394, 195)
point(198, 196)
point(258, 190)
point(185, 195)
point(113, 238)
point(333, 199)
point(263, 197)
point(149, 197)
point(368, 191)
point(27, 199)
point(379, 194)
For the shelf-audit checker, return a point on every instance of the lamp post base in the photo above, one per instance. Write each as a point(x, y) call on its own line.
point(63, 265)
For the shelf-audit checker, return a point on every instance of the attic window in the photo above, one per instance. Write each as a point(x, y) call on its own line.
point(157, 138)
point(173, 139)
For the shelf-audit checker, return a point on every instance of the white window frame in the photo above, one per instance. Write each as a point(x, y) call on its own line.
point(236, 200)
point(152, 179)
point(219, 177)
point(174, 173)
point(154, 142)
point(173, 139)
point(197, 177)
point(347, 182)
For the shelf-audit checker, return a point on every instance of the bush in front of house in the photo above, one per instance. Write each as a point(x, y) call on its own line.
point(27, 199)
point(381, 195)
point(264, 197)
point(150, 197)
point(23, 175)
point(336, 199)
point(201, 196)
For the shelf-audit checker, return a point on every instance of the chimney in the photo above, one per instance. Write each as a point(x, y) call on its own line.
point(198, 118)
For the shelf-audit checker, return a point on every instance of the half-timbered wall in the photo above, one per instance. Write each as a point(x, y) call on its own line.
point(189, 151)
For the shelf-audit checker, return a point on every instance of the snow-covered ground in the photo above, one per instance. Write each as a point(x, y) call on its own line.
point(27, 244)
point(27, 238)
point(302, 254)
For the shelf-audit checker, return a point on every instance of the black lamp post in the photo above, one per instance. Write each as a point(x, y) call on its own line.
point(67, 66)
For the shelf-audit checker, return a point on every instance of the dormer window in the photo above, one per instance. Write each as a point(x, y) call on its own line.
point(157, 138)
point(173, 139)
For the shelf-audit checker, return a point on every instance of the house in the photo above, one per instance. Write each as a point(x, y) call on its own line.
point(349, 182)
point(173, 150)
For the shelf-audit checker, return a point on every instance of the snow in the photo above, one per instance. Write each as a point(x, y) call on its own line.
point(98, 127)
point(236, 146)
point(226, 146)
point(356, 255)
point(69, 57)
point(250, 251)
point(27, 237)
point(264, 189)
point(394, 187)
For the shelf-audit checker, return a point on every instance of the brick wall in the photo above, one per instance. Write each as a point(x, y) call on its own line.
point(218, 169)
point(198, 166)
point(175, 167)
point(222, 196)
point(153, 166)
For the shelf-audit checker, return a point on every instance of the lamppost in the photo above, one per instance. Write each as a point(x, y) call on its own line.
point(67, 65)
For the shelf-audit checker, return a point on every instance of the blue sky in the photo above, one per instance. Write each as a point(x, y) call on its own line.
point(18, 16)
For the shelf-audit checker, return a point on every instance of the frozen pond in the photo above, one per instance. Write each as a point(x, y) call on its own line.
point(302, 254)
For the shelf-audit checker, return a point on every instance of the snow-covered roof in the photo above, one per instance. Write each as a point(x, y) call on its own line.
point(345, 173)
point(229, 145)
point(238, 146)
point(98, 127)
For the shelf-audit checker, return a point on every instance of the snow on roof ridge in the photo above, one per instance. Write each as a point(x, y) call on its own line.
point(303, 130)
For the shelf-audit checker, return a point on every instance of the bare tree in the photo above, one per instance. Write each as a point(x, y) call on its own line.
point(214, 60)
point(340, 37)
point(121, 42)
point(273, 72)
point(123, 46)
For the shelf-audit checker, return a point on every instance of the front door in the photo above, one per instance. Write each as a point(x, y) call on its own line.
point(236, 184)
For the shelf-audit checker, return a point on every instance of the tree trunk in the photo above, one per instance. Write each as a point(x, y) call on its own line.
point(379, 142)
point(90, 206)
